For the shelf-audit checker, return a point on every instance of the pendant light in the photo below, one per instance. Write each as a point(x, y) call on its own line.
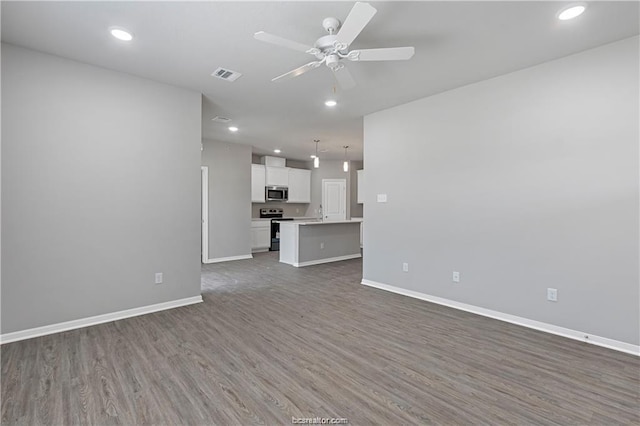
point(345, 165)
point(316, 159)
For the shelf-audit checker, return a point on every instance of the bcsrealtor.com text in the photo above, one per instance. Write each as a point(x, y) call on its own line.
point(319, 420)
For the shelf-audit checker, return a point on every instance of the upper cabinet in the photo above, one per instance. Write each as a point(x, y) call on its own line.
point(277, 176)
point(297, 180)
point(257, 183)
point(360, 187)
point(299, 186)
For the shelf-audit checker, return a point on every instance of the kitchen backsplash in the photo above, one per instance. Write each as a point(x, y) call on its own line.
point(290, 209)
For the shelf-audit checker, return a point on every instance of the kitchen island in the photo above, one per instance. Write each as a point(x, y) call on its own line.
point(304, 243)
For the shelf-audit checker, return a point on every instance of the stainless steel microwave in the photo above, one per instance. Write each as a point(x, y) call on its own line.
point(276, 193)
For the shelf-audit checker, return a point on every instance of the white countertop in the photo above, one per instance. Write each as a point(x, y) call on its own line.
point(288, 217)
point(318, 222)
point(300, 217)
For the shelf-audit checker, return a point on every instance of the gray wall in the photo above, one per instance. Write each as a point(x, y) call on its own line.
point(229, 198)
point(100, 190)
point(290, 209)
point(329, 169)
point(521, 182)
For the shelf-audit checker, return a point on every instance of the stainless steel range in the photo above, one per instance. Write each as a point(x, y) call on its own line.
point(276, 214)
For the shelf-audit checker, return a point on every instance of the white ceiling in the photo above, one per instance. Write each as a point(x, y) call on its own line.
point(182, 43)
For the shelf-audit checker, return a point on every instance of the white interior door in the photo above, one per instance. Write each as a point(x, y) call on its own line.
point(334, 199)
point(205, 213)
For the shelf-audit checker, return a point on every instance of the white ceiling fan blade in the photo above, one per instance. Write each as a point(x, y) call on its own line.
point(298, 71)
point(344, 78)
point(277, 40)
point(358, 18)
point(384, 54)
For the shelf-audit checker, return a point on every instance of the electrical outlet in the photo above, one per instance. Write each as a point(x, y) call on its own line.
point(455, 276)
point(552, 294)
point(321, 246)
point(405, 267)
point(158, 277)
point(297, 210)
point(382, 198)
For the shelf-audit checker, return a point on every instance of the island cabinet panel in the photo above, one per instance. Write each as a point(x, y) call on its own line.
point(257, 183)
point(260, 235)
point(299, 186)
point(314, 242)
point(277, 176)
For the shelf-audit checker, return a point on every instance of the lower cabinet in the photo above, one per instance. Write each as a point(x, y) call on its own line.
point(260, 235)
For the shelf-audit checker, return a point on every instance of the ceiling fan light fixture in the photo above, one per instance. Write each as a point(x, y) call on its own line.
point(572, 11)
point(331, 103)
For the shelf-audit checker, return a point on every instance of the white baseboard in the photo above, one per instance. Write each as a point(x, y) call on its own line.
point(327, 260)
point(98, 319)
point(525, 322)
point(230, 258)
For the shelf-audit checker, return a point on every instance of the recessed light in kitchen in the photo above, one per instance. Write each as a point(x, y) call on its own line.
point(572, 11)
point(121, 34)
point(233, 129)
point(312, 156)
point(331, 103)
point(277, 151)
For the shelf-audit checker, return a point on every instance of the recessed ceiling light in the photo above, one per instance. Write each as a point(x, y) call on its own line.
point(277, 151)
point(571, 11)
point(233, 129)
point(312, 156)
point(331, 103)
point(121, 34)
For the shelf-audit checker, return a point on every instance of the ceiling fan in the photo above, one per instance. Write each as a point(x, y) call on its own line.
point(333, 48)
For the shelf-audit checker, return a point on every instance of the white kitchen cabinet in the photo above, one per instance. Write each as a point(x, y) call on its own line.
point(360, 196)
point(260, 235)
point(299, 186)
point(277, 176)
point(257, 183)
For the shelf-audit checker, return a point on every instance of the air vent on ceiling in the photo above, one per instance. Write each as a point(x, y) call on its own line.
point(226, 74)
point(218, 119)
